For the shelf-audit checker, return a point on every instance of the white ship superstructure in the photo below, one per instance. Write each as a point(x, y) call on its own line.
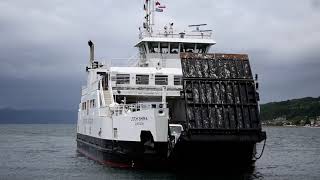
point(131, 113)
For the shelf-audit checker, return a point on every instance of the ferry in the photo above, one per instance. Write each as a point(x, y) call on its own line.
point(175, 105)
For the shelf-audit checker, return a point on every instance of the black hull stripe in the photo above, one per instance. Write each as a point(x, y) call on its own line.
point(106, 162)
point(95, 146)
point(121, 153)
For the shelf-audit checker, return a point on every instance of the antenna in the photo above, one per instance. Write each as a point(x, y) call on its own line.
point(208, 30)
point(197, 25)
point(149, 8)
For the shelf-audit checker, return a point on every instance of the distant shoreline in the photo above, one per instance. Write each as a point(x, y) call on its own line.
point(8, 123)
point(290, 126)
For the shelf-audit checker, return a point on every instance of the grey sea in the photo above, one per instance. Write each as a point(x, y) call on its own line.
point(31, 151)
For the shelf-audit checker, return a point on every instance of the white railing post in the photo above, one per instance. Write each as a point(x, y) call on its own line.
point(102, 94)
point(164, 95)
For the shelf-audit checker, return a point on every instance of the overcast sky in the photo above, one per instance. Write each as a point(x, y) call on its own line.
point(43, 45)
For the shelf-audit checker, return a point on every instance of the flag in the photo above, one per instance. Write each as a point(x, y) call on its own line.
point(159, 10)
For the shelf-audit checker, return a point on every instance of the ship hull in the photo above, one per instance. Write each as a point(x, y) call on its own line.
point(219, 150)
point(187, 153)
point(123, 154)
point(218, 155)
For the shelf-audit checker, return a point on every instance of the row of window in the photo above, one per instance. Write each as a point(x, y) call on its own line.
point(144, 79)
point(88, 104)
point(173, 48)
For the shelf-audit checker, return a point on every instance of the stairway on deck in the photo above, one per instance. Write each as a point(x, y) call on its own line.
point(107, 97)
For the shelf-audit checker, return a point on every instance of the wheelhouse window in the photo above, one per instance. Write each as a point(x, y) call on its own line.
point(92, 103)
point(177, 80)
point(188, 47)
point(122, 78)
point(164, 48)
point(174, 48)
point(181, 47)
point(84, 106)
point(161, 80)
point(143, 48)
point(142, 79)
point(201, 48)
point(153, 47)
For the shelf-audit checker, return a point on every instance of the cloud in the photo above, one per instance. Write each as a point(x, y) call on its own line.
point(315, 4)
point(43, 44)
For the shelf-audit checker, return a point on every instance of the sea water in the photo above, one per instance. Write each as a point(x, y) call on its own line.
point(48, 151)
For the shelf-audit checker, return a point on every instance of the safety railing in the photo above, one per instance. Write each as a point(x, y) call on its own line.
point(128, 108)
point(199, 35)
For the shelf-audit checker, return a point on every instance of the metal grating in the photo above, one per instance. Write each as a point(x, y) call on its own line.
point(219, 92)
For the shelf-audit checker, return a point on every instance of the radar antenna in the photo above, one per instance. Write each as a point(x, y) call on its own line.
point(207, 30)
point(197, 26)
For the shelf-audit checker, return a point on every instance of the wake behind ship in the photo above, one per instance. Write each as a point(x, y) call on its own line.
point(174, 105)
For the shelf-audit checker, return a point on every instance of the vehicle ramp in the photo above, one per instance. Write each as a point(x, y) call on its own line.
point(220, 97)
point(221, 121)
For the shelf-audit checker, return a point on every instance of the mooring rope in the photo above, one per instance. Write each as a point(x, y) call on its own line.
point(264, 144)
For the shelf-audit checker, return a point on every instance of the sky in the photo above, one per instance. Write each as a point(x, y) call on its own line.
point(44, 51)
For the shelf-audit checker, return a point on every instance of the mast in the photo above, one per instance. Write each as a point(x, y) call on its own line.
point(149, 17)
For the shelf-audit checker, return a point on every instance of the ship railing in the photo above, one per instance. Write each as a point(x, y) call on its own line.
point(120, 62)
point(199, 35)
point(135, 87)
point(121, 109)
point(133, 60)
point(84, 90)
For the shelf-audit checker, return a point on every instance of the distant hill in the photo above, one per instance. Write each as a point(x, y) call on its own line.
point(37, 116)
point(295, 109)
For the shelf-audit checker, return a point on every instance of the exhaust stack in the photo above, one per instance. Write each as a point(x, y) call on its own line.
point(91, 45)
